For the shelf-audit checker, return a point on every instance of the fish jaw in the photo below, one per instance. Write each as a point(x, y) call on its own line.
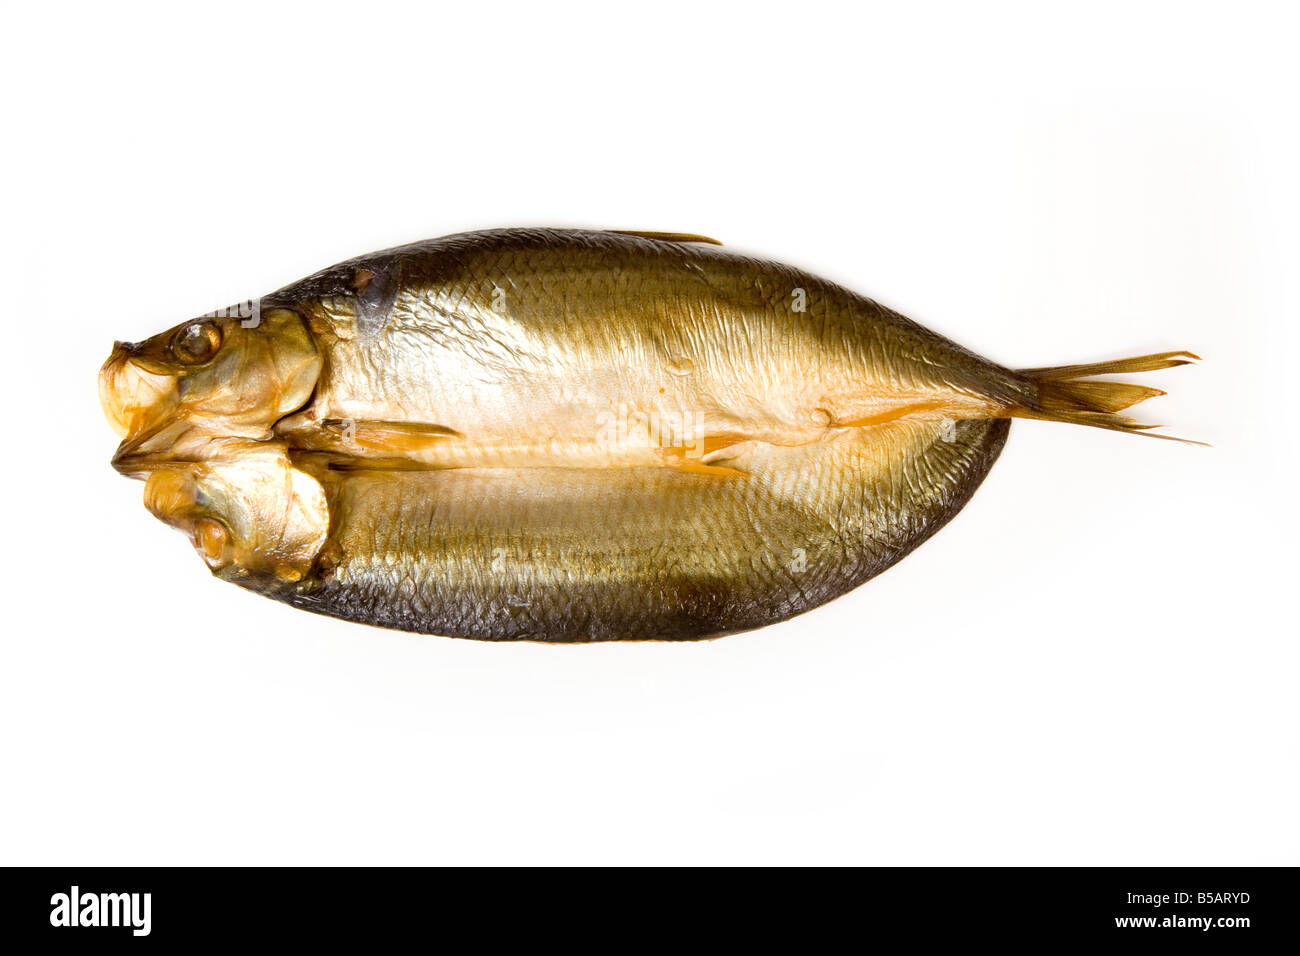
point(253, 518)
point(167, 410)
point(176, 441)
point(134, 398)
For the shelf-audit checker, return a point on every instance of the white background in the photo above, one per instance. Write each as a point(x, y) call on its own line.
point(1095, 663)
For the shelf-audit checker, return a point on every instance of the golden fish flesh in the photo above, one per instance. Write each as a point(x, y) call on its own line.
point(568, 435)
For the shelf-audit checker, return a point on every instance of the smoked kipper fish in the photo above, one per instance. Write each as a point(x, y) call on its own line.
point(570, 435)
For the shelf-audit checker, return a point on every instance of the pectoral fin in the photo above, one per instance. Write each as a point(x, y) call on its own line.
point(392, 438)
point(693, 466)
point(363, 438)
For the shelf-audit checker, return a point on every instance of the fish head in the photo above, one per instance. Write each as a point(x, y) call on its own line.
point(253, 518)
point(219, 375)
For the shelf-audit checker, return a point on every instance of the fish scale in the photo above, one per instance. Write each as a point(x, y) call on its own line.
point(571, 436)
point(673, 557)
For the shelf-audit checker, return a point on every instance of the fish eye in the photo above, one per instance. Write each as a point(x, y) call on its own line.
point(196, 342)
point(211, 539)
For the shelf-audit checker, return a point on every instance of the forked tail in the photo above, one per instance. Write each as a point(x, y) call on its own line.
point(1062, 397)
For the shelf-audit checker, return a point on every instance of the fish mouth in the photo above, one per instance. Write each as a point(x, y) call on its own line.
point(134, 398)
point(175, 443)
point(251, 516)
point(153, 448)
point(141, 400)
point(171, 494)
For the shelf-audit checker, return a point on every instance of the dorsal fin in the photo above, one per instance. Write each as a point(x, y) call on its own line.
point(666, 236)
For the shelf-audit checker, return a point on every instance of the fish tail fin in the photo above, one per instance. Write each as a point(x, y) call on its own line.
point(1060, 396)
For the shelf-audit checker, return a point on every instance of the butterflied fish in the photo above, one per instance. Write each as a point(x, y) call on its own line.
point(568, 435)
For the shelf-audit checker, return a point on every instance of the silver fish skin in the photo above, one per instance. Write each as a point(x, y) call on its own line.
point(571, 435)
